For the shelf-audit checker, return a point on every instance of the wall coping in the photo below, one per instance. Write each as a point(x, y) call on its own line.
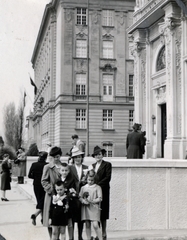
point(133, 163)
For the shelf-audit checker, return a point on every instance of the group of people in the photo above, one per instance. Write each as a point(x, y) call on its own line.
point(6, 167)
point(72, 193)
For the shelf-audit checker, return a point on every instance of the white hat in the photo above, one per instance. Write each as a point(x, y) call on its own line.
point(76, 152)
point(49, 144)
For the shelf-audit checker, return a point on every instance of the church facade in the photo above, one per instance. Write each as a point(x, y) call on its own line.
point(83, 43)
point(159, 35)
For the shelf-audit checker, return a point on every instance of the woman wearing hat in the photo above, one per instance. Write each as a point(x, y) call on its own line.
point(51, 174)
point(103, 171)
point(78, 171)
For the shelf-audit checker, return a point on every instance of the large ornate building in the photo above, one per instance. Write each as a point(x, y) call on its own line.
point(159, 34)
point(73, 34)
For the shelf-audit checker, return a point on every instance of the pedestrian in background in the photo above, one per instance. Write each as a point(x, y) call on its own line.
point(21, 157)
point(135, 144)
point(51, 174)
point(78, 143)
point(49, 147)
point(35, 173)
point(103, 170)
point(78, 171)
point(6, 166)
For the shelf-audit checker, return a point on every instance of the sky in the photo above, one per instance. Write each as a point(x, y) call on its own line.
point(19, 25)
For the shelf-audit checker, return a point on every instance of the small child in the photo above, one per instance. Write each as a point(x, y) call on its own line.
point(91, 197)
point(69, 184)
point(59, 212)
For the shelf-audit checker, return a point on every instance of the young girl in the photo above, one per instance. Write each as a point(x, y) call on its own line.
point(59, 212)
point(90, 197)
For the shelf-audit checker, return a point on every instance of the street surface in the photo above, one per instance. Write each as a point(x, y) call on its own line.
point(15, 222)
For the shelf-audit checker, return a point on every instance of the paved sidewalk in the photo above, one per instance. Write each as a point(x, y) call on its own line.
point(27, 190)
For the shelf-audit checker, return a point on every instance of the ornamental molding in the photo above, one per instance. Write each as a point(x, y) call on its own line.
point(161, 95)
point(107, 37)
point(68, 14)
point(108, 68)
point(95, 17)
point(81, 35)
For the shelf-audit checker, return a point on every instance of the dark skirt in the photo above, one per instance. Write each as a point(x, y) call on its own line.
point(5, 181)
point(40, 195)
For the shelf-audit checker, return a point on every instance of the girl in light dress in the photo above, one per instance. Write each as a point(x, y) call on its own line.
point(91, 197)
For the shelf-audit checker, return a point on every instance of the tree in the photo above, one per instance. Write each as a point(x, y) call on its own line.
point(19, 127)
point(10, 120)
point(13, 123)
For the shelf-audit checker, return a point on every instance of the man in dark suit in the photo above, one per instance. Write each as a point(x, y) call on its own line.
point(135, 143)
point(103, 171)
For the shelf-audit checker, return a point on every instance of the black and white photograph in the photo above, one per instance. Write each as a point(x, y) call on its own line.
point(93, 125)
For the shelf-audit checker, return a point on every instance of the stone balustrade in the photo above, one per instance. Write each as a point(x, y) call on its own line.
point(145, 194)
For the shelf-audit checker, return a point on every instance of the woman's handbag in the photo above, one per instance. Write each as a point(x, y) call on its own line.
point(16, 161)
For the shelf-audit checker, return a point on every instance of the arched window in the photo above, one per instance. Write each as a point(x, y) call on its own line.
point(161, 60)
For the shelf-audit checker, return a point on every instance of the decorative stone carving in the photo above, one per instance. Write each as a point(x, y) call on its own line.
point(81, 35)
point(68, 15)
point(161, 95)
point(108, 68)
point(81, 64)
point(121, 18)
point(95, 17)
point(108, 37)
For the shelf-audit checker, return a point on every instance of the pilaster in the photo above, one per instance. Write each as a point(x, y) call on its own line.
point(171, 30)
point(139, 53)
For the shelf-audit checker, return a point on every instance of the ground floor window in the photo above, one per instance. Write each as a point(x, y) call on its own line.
point(109, 149)
point(81, 118)
point(131, 118)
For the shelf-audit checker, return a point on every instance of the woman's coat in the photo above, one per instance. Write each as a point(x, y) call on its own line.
point(102, 178)
point(49, 177)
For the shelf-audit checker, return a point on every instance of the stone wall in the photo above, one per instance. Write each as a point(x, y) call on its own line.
point(146, 194)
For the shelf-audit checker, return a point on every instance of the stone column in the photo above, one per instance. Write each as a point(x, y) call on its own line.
point(172, 33)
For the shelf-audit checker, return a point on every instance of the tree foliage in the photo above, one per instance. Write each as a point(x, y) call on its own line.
point(13, 125)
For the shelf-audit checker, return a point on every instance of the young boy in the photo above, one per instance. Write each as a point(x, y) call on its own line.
point(59, 212)
point(69, 184)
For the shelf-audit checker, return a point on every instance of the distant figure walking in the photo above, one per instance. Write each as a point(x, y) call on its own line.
point(35, 173)
point(21, 156)
point(135, 144)
point(5, 176)
point(78, 143)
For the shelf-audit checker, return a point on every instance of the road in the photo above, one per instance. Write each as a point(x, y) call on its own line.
point(15, 222)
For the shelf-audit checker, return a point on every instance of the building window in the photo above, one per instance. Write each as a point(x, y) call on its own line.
point(80, 84)
point(107, 49)
point(131, 86)
point(81, 48)
point(81, 16)
point(107, 87)
point(107, 119)
point(109, 149)
point(108, 18)
point(131, 118)
point(81, 118)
